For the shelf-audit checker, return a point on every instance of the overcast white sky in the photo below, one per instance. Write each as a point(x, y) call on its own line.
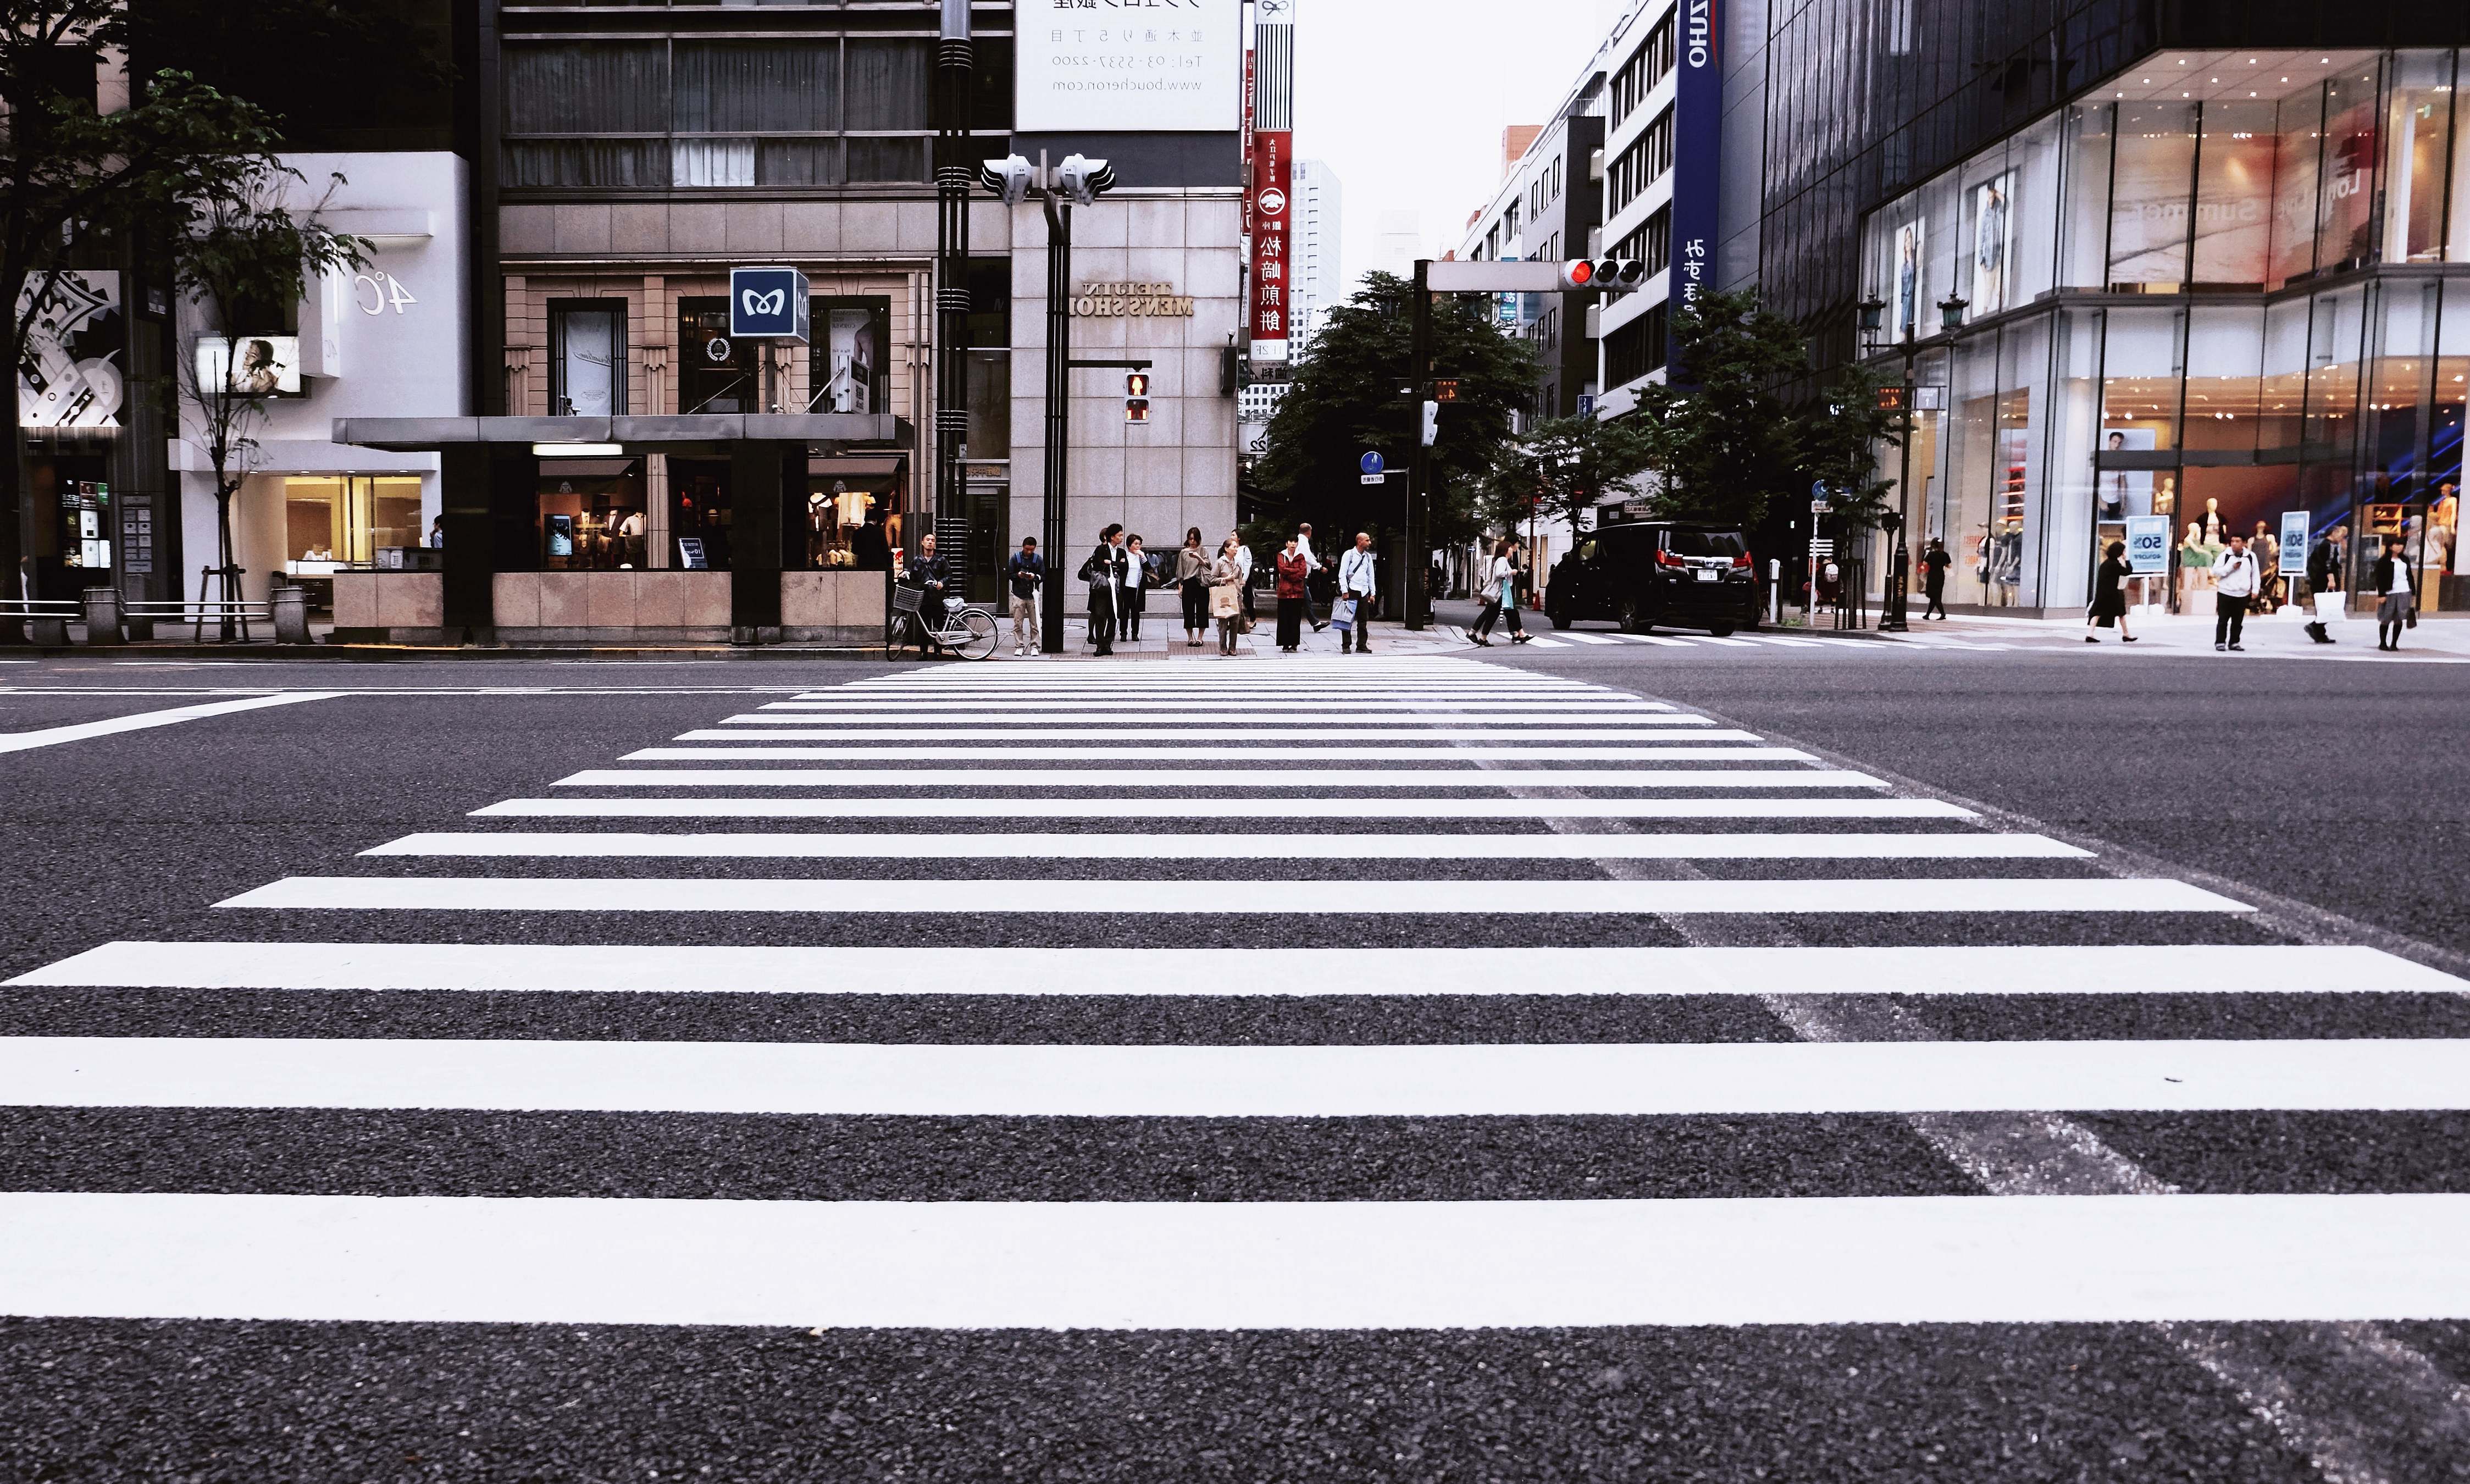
point(1407, 99)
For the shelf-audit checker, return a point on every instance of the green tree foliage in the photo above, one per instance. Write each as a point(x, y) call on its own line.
point(1839, 437)
point(1725, 445)
point(1350, 393)
point(1564, 466)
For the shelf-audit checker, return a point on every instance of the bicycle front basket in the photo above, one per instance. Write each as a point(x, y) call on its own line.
point(905, 600)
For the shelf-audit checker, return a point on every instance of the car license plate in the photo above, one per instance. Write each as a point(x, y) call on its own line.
point(1709, 574)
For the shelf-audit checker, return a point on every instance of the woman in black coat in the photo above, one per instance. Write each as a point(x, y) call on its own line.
point(2110, 595)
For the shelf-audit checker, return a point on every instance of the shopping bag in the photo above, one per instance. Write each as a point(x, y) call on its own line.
point(2328, 606)
point(1342, 615)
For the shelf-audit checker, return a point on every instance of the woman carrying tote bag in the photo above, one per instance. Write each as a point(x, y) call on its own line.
point(1192, 583)
point(1226, 596)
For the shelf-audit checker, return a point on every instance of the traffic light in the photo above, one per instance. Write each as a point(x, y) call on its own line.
point(1084, 180)
point(1010, 178)
point(1611, 275)
point(1136, 397)
point(1432, 423)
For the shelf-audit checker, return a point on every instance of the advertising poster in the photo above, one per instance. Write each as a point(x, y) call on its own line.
point(2125, 492)
point(1993, 243)
point(1910, 286)
point(266, 365)
point(1272, 184)
point(2148, 544)
point(2293, 544)
point(76, 345)
point(855, 333)
point(1155, 67)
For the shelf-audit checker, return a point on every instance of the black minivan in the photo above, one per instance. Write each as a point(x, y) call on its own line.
point(1645, 575)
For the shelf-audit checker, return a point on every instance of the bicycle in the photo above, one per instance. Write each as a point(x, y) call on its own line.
point(966, 631)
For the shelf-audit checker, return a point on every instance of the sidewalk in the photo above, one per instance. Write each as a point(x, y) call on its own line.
point(2278, 633)
point(1165, 640)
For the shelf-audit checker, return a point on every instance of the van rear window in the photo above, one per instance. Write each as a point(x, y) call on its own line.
point(1727, 545)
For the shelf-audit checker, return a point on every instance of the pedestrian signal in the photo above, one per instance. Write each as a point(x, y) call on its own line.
point(1136, 397)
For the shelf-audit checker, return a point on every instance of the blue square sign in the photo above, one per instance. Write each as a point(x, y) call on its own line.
point(767, 304)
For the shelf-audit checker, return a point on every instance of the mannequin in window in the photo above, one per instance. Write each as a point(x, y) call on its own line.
point(2195, 562)
point(2214, 531)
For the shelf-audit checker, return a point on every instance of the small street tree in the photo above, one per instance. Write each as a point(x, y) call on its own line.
point(1350, 394)
point(1724, 444)
point(1564, 467)
point(244, 251)
point(1839, 437)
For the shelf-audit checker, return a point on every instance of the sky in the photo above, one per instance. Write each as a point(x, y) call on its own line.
point(1407, 99)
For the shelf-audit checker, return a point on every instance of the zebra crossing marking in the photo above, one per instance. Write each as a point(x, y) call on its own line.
point(1028, 779)
point(1695, 747)
point(1360, 808)
point(1093, 727)
point(1146, 845)
point(1135, 899)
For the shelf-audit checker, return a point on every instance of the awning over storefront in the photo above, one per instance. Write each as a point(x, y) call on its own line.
point(684, 433)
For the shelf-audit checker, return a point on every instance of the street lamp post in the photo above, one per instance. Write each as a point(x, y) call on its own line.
point(1895, 522)
point(955, 63)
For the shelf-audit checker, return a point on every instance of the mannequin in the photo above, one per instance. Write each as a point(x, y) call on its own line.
point(2165, 498)
point(2213, 522)
point(2195, 563)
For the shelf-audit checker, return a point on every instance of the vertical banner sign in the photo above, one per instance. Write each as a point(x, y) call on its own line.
point(1697, 135)
point(1249, 88)
point(2292, 560)
point(2148, 544)
point(1270, 190)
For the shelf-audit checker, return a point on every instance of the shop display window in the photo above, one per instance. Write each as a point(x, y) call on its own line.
point(2344, 212)
point(340, 520)
point(699, 514)
point(588, 357)
point(848, 359)
point(2224, 376)
point(2234, 161)
point(2418, 136)
point(2148, 204)
point(850, 523)
point(2298, 156)
point(592, 515)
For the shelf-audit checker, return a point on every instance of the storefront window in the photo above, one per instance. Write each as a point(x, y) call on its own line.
point(588, 358)
point(2058, 573)
point(2148, 213)
point(699, 512)
point(2336, 342)
point(989, 389)
point(849, 363)
point(2224, 376)
point(339, 520)
point(2282, 389)
point(2344, 220)
point(2298, 164)
point(2418, 127)
point(591, 516)
point(1972, 468)
point(2234, 195)
point(847, 519)
point(2083, 222)
point(715, 374)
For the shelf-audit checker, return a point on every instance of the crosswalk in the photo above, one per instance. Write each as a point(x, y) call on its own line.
point(1317, 904)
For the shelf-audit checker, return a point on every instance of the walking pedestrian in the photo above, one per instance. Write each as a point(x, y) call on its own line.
point(1103, 572)
point(1192, 584)
point(1133, 597)
point(2110, 595)
point(1294, 575)
point(1355, 585)
point(1500, 593)
point(1313, 564)
point(1934, 565)
point(2391, 577)
point(2234, 582)
point(1023, 574)
point(1225, 599)
point(2325, 564)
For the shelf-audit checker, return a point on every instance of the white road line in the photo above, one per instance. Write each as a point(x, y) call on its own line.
point(1652, 638)
point(1132, 810)
point(54, 736)
point(1011, 753)
point(1094, 729)
point(1711, 638)
point(1267, 708)
point(1135, 845)
point(1241, 717)
point(629, 968)
point(1285, 898)
point(1785, 643)
point(1740, 1079)
point(1237, 1265)
point(1035, 778)
point(1576, 638)
point(1543, 643)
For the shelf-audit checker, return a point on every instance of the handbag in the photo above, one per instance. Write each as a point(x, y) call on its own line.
point(2328, 606)
point(1342, 614)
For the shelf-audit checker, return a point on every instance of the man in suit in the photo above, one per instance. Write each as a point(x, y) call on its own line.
point(1104, 573)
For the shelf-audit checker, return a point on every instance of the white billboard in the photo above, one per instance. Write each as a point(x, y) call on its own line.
point(1128, 65)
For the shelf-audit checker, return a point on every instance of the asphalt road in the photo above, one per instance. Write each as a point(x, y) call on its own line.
point(2298, 788)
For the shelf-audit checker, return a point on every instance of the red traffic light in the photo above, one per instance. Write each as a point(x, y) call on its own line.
point(1577, 273)
point(1136, 397)
point(1137, 385)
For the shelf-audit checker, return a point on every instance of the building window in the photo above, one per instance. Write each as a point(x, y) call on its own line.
point(588, 357)
point(341, 520)
point(1509, 223)
point(848, 365)
point(1650, 242)
point(1646, 66)
point(1636, 348)
point(1643, 164)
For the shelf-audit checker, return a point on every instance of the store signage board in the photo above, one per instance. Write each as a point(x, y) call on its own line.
point(1697, 165)
point(2148, 544)
point(2292, 560)
point(1163, 66)
point(690, 555)
point(768, 304)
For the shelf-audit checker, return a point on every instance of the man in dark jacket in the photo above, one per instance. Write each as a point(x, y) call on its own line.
point(933, 576)
point(2324, 568)
point(1023, 574)
point(1104, 573)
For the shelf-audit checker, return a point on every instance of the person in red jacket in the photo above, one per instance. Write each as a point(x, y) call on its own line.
point(1294, 577)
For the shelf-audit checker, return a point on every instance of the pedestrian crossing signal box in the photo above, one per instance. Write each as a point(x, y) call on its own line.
point(1136, 397)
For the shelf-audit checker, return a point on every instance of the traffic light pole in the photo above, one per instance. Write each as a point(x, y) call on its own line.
point(1415, 584)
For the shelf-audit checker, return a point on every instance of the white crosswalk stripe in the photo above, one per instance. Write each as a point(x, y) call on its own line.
point(988, 858)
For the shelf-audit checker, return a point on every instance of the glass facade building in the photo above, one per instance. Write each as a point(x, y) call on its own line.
point(2138, 263)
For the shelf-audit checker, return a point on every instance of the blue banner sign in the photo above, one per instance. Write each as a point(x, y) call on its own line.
point(2148, 544)
point(1697, 135)
point(2294, 544)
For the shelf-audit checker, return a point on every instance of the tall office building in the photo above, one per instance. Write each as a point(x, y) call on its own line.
point(1320, 280)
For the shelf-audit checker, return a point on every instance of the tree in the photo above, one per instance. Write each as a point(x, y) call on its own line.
point(1839, 437)
point(1564, 467)
point(1350, 394)
point(244, 250)
point(73, 182)
point(1723, 443)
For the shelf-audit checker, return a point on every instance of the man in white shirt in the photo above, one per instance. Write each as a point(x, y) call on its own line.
point(2234, 580)
point(1355, 581)
point(1312, 565)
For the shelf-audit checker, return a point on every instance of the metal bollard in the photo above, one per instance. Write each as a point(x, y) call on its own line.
point(102, 615)
point(291, 615)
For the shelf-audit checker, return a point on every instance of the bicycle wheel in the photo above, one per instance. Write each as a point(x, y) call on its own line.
point(971, 634)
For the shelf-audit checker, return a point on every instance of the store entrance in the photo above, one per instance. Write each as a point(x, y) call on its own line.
point(699, 514)
point(989, 512)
